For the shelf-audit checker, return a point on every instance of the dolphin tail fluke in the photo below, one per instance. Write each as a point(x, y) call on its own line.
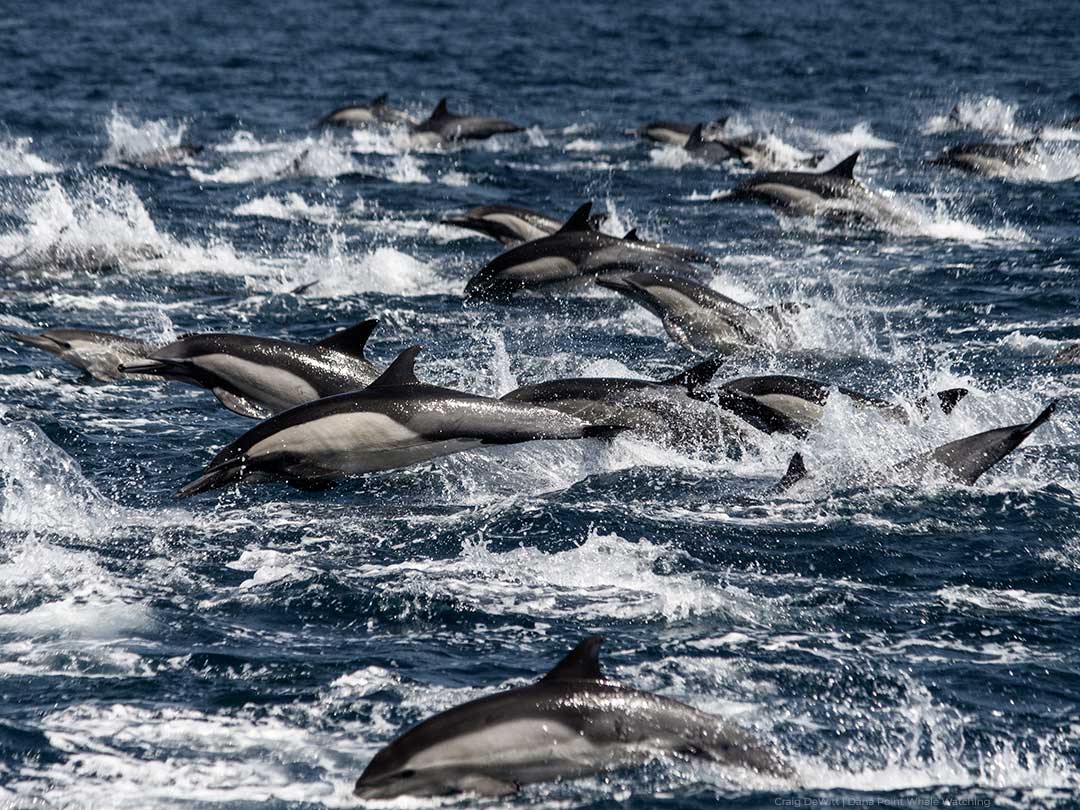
point(697, 376)
point(1047, 412)
point(214, 477)
point(796, 472)
point(947, 400)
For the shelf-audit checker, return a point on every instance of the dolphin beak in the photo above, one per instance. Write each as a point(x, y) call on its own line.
point(460, 221)
point(38, 341)
point(144, 367)
point(616, 283)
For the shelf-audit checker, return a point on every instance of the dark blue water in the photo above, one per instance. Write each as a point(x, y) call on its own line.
point(899, 644)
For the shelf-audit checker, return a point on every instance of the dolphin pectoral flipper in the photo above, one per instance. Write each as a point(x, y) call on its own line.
point(239, 405)
point(352, 340)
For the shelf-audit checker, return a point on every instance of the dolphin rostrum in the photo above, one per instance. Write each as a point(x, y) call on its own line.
point(394, 422)
point(572, 255)
point(697, 317)
point(257, 377)
point(99, 354)
point(448, 126)
point(571, 723)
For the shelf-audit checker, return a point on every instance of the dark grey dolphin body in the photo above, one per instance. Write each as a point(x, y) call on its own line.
point(394, 422)
point(571, 723)
point(572, 255)
point(964, 460)
point(832, 193)
point(990, 159)
point(669, 411)
point(257, 377)
point(99, 354)
point(802, 400)
point(697, 317)
point(447, 126)
point(717, 149)
point(365, 115)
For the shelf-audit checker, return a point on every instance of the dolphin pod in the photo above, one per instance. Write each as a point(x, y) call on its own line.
point(571, 723)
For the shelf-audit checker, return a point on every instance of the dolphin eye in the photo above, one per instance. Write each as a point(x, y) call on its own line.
point(406, 774)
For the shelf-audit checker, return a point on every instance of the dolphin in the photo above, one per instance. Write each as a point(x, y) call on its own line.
point(571, 723)
point(362, 115)
point(509, 224)
point(164, 156)
point(717, 149)
point(990, 159)
point(697, 317)
point(100, 354)
point(572, 255)
point(394, 422)
point(512, 225)
point(258, 377)
point(669, 411)
point(1068, 355)
point(834, 192)
point(803, 400)
point(675, 133)
point(448, 126)
point(964, 460)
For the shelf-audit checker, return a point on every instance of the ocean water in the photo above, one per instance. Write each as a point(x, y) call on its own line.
point(900, 644)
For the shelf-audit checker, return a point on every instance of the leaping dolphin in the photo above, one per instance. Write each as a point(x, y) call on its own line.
point(964, 460)
point(510, 224)
point(571, 723)
point(572, 255)
point(258, 377)
point(697, 317)
point(394, 422)
point(668, 411)
point(99, 354)
point(449, 126)
point(831, 193)
point(990, 159)
point(363, 115)
point(803, 400)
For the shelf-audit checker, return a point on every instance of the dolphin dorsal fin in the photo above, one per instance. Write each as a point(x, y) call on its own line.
point(695, 138)
point(581, 664)
point(351, 341)
point(631, 236)
point(440, 110)
point(579, 220)
point(401, 371)
point(845, 168)
point(697, 376)
point(380, 101)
